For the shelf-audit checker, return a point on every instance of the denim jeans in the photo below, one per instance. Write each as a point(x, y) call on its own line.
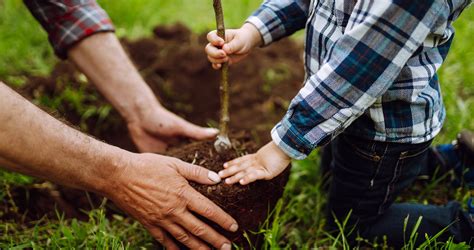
point(367, 177)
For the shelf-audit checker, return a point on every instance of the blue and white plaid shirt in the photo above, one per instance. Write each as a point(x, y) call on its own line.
point(371, 68)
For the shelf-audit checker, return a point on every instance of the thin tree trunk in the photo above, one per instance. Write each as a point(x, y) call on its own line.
point(224, 85)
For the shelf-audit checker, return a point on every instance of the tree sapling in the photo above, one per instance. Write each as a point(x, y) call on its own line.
point(222, 143)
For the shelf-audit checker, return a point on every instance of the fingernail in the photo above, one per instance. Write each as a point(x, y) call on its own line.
point(226, 164)
point(214, 177)
point(212, 131)
point(226, 246)
point(221, 173)
point(234, 228)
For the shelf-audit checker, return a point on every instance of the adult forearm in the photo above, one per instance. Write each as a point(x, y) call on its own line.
point(34, 143)
point(103, 60)
point(151, 126)
point(150, 187)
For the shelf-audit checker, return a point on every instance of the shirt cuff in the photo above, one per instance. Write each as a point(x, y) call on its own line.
point(266, 36)
point(78, 24)
point(288, 139)
point(69, 23)
point(268, 24)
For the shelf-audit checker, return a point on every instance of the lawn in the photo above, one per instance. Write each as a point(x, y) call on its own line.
point(298, 220)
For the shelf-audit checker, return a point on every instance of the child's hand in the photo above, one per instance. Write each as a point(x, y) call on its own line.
point(239, 43)
point(266, 164)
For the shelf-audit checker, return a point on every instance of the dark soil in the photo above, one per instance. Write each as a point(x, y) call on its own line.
point(174, 64)
point(250, 205)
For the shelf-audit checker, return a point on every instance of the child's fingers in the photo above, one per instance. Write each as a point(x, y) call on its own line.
point(212, 51)
point(214, 39)
point(233, 170)
point(217, 60)
point(236, 161)
point(252, 175)
point(236, 178)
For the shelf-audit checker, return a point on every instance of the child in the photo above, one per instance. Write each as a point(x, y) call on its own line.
point(372, 91)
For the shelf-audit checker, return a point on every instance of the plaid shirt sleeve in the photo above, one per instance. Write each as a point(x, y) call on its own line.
point(378, 41)
point(277, 19)
point(68, 22)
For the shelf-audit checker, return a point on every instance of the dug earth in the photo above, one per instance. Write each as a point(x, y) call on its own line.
point(250, 205)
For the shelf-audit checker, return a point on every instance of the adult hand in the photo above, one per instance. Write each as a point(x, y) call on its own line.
point(151, 188)
point(103, 60)
point(239, 43)
point(154, 128)
point(154, 190)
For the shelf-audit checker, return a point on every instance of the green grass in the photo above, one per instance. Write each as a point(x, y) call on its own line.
point(97, 232)
point(298, 220)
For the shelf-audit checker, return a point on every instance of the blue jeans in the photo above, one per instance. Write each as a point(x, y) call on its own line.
point(367, 177)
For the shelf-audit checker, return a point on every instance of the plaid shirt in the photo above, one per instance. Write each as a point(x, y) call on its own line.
point(371, 68)
point(69, 21)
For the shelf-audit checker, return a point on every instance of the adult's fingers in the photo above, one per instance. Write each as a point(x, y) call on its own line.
point(146, 142)
point(203, 206)
point(203, 231)
point(187, 129)
point(197, 174)
point(185, 237)
point(162, 237)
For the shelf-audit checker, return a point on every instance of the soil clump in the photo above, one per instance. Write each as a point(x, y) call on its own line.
point(250, 205)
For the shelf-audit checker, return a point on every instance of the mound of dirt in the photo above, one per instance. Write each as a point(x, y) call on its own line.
point(249, 205)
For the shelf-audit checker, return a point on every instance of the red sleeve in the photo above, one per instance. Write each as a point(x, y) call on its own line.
point(69, 21)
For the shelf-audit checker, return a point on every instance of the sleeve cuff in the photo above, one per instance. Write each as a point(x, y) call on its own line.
point(268, 24)
point(264, 32)
point(61, 50)
point(77, 24)
point(69, 22)
point(290, 141)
